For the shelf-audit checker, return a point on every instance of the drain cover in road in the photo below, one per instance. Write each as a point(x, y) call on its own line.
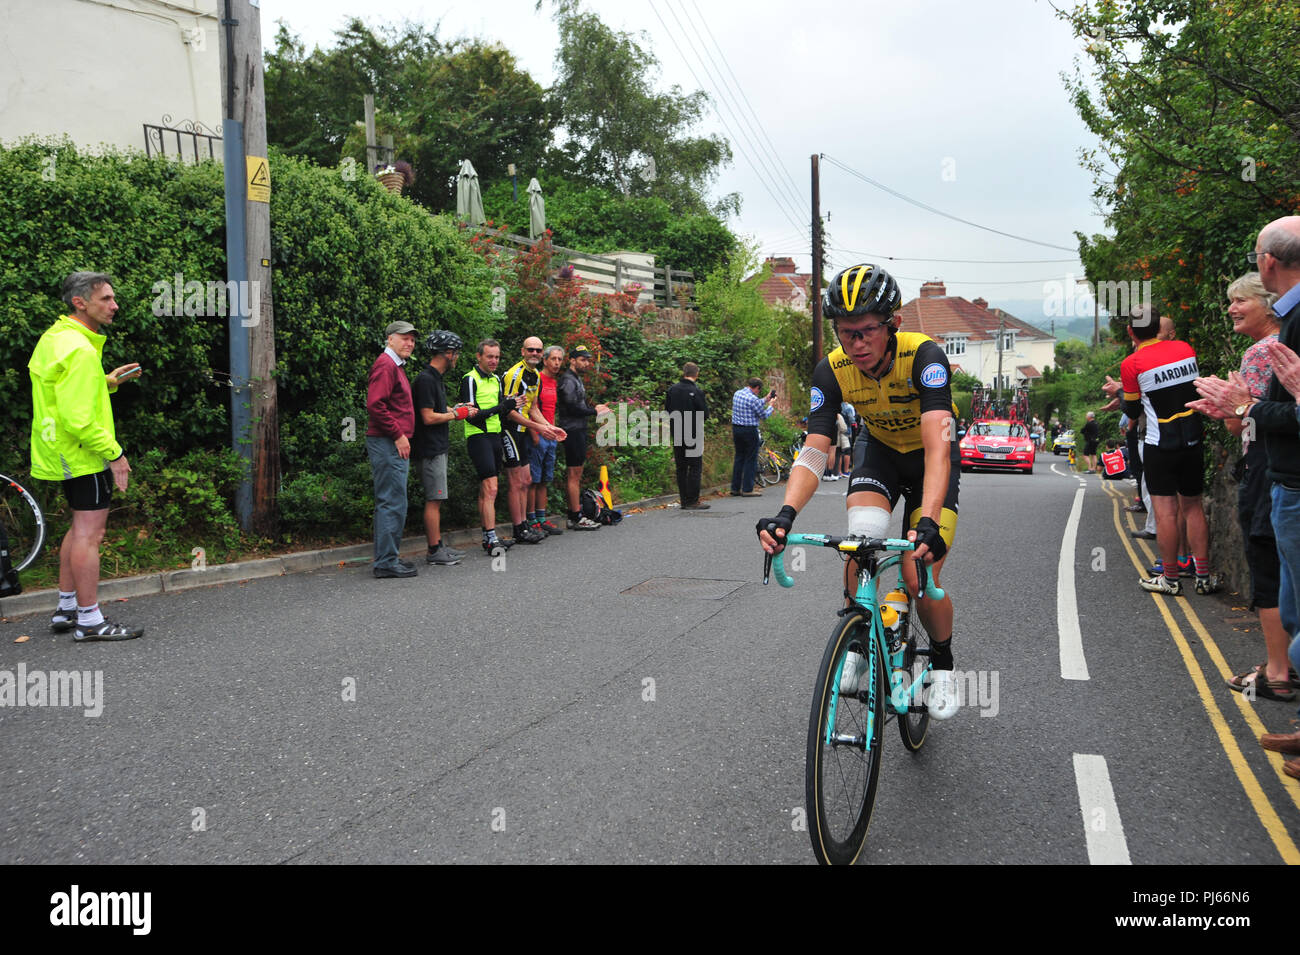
point(685, 587)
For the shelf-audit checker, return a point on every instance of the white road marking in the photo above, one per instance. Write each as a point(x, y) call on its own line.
point(1073, 664)
point(1101, 822)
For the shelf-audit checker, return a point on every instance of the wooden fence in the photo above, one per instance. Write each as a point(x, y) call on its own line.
point(661, 286)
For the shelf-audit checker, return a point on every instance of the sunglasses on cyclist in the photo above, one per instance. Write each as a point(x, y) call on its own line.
point(859, 334)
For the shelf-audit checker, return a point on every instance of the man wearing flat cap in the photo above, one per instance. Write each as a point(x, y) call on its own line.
point(388, 442)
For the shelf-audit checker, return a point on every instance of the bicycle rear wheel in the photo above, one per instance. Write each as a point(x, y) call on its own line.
point(23, 522)
point(845, 738)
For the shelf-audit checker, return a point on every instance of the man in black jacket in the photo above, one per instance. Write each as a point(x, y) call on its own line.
point(571, 414)
point(687, 410)
point(1276, 420)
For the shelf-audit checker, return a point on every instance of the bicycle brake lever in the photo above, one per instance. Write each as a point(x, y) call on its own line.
point(767, 568)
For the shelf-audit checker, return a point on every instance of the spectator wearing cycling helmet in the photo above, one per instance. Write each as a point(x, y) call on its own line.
point(432, 438)
point(898, 383)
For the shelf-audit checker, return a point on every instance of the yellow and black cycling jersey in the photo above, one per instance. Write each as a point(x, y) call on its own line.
point(522, 379)
point(916, 382)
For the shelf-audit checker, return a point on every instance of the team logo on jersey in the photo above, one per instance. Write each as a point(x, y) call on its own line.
point(934, 376)
point(817, 399)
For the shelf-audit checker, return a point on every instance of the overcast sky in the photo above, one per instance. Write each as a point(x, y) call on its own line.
point(957, 105)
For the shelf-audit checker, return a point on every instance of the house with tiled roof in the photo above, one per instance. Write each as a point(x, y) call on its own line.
point(784, 284)
point(968, 331)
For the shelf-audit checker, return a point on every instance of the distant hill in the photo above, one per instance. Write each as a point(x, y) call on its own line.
point(1066, 327)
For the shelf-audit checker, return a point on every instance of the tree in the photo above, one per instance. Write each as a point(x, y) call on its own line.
point(622, 134)
point(1197, 105)
point(441, 102)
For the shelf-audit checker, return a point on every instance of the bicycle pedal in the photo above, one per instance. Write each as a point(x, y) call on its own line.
point(918, 708)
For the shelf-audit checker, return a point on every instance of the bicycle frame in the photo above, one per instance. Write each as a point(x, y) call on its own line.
point(866, 600)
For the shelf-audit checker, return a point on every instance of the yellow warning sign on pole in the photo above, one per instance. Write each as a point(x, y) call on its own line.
point(259, 179)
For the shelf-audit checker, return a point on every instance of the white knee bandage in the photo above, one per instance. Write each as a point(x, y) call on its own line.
point(868, 522)
point(812, 459)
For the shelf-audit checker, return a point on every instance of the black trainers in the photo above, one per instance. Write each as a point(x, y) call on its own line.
point(106, 631)
point(63, 620)
point(490, 547)
point(402, 570)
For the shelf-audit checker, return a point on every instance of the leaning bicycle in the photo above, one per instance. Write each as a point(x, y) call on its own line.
point(22, 522)
point(875, 668)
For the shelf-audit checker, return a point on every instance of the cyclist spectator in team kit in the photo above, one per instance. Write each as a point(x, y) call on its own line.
point(687, 410)
point(1157, 378)
point(432, 439)
point(1274, 419)
point(521, 383)
point(572, 413)
point(911, 453)
point(388, 443)
point(481, 387)
point(747, 411)
point(74, 442)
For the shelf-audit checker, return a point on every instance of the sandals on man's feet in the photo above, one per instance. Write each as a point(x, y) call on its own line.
point(1279, 690)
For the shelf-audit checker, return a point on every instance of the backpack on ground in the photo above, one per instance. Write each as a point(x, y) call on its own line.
point(594, 509)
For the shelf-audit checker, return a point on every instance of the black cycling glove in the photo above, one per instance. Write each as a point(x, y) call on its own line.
point(783, 520)
point(927, 533)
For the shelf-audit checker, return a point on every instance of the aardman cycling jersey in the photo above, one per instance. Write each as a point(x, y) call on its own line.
point(917, 382)
point(1161, 375)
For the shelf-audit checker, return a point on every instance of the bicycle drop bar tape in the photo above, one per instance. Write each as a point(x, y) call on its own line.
point(821, 540)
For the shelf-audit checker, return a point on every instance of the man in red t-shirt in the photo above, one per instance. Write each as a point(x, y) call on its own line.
point(388, 443)
point(542, 448)
point(1158, 380)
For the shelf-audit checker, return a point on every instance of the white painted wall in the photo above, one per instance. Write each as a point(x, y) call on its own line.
point(97, 71)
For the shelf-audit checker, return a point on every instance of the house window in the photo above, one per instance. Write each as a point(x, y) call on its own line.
point(1008, 341)
point(955, 345)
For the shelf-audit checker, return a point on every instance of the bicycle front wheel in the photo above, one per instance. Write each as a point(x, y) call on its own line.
point(912, 726)
point(23, 523)
point(845, 738)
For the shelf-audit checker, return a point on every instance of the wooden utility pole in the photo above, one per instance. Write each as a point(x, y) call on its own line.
point(255, 430)
point(816, 290)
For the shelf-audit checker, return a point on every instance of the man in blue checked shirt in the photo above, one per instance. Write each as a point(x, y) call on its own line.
point(747, 410)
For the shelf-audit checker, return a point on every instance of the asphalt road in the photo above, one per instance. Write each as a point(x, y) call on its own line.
point(636, 695)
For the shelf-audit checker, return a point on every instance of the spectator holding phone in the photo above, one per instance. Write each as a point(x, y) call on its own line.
point(74, 442)
point(747, 410)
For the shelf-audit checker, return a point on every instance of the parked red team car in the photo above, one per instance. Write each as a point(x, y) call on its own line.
point(991, 443)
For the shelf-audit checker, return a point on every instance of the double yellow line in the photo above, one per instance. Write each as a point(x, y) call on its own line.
point(1268, 816)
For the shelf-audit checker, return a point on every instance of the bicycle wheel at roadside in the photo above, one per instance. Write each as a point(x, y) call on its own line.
point(845, 739)
point(23, 522)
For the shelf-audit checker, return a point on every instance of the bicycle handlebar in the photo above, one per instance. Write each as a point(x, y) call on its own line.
point(850, 546)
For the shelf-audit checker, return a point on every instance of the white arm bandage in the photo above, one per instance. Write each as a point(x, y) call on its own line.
point(812, 459)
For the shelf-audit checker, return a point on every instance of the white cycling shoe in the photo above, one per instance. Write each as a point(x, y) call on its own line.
point(942, 698)
point(855, 664)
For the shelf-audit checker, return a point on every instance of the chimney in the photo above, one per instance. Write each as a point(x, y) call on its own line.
point(782, 266)
point(933, 289)
point(981, 303)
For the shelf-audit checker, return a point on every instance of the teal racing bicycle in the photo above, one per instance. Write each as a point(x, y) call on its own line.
point(875, 642)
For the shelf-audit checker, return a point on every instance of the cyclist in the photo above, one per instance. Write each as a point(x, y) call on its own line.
point(898, 383)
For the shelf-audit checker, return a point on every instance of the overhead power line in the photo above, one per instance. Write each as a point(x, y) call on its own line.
point(781, 205)
point(939, 212)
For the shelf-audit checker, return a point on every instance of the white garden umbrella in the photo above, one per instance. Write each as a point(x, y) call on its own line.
point(469, 199)
point(536, 210)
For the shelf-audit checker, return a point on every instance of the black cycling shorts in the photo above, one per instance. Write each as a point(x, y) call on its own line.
point(575, 448)
point(486, 454)
point(882, 470)
point(90, 492)
point(514, 448)
point(1179, 472)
